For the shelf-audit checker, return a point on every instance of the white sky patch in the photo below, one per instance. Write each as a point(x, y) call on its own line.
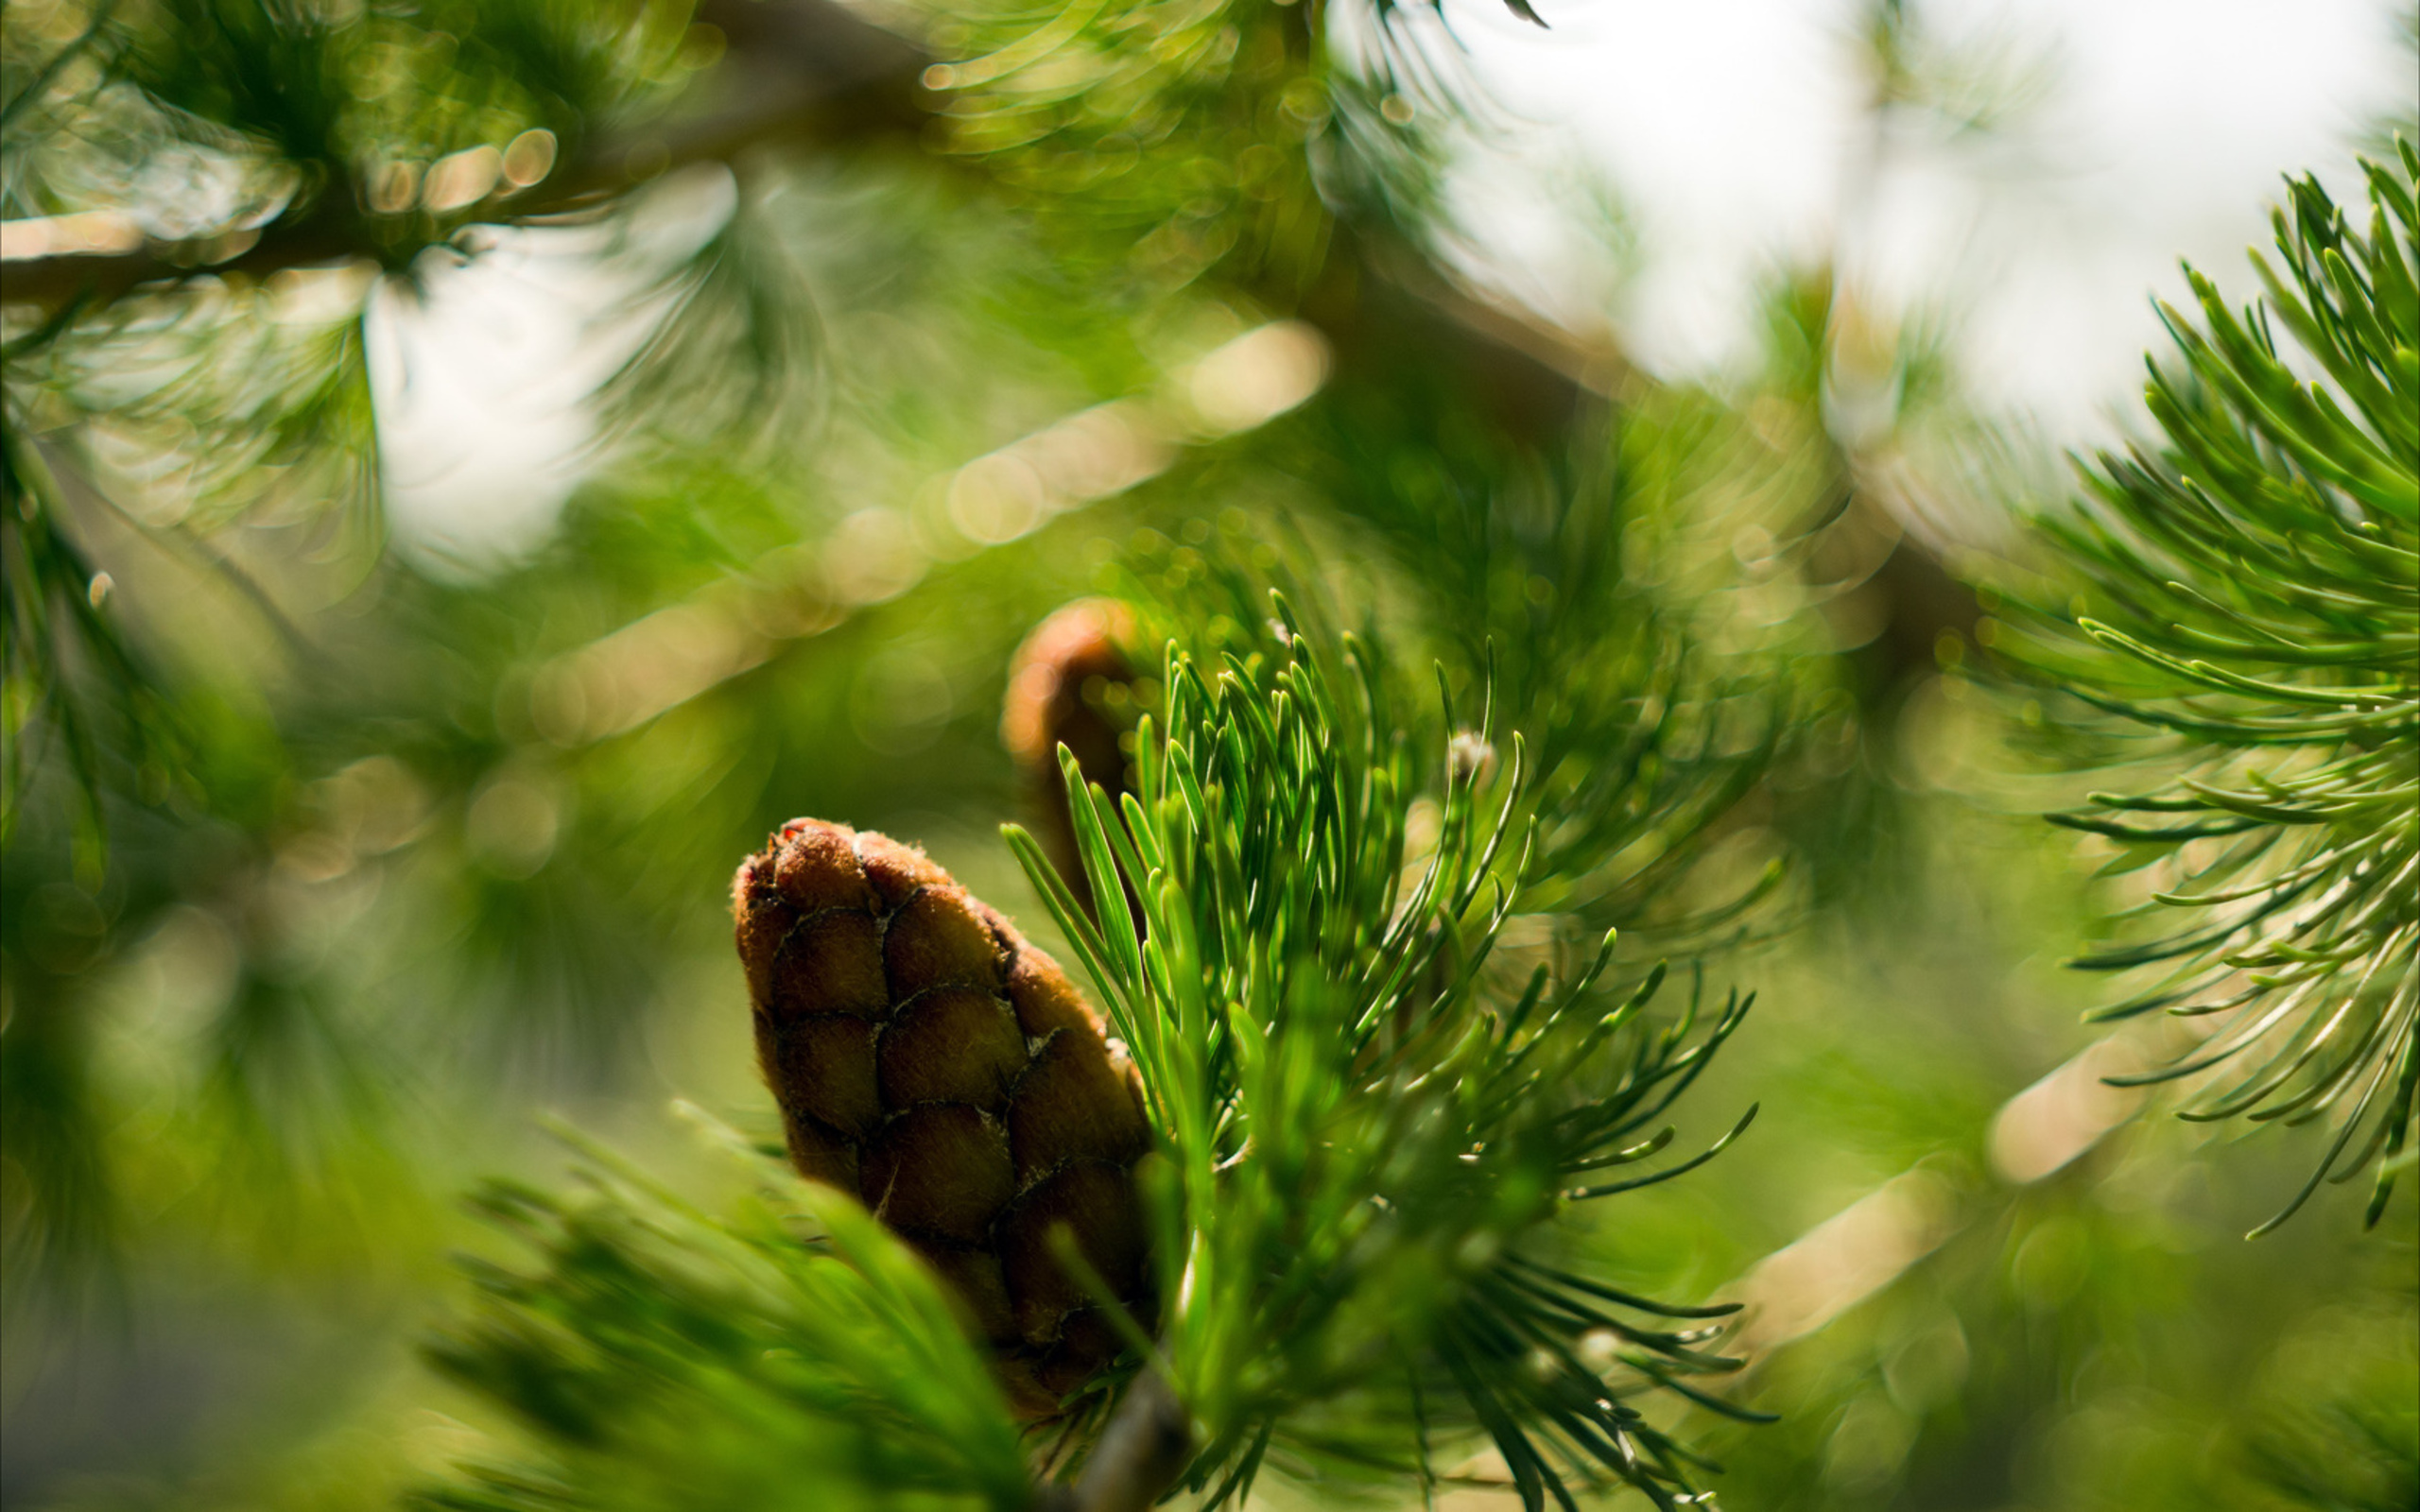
point(482, 379)
point(1730, 131)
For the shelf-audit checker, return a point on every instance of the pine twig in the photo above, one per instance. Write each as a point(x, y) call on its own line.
point(1145, 1448)
point(802, 94)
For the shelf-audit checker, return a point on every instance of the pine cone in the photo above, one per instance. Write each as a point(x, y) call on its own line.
point(930, 1062)
point(1049, 705)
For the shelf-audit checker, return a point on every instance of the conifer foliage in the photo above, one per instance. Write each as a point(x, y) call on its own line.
point(2253, 603)
point(1316, 1161)
point(1341, 1257)
point(791, 1354)
point(1367, 1130)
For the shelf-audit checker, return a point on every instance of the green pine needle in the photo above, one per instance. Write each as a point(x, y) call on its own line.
point(791, 1354)
point(1366, 1138)
point(2254, 600)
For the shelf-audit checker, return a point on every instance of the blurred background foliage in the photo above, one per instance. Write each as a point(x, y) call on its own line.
point(343, 834)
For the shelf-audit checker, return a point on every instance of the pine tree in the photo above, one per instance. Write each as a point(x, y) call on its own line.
point(1425, 719)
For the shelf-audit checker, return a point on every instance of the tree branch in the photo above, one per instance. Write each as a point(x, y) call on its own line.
point(1142, 1452)
point(793, 73)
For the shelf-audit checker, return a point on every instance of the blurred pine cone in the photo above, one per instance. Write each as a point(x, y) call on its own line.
point(1060, 684)
point(929, 1060)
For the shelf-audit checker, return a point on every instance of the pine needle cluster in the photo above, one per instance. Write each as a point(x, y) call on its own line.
point(1368, 1130)
point(2252, 602)
point(790, 1354)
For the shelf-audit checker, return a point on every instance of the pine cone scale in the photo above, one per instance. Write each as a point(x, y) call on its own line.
point(952, 1045)
point(940, 1169)
point(1071, 1104)
point(830, 1059)
point(831, 963)
point(1084, 1196)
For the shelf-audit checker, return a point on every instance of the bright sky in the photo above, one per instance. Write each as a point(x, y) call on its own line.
point(481, 380)
point(1724, 128)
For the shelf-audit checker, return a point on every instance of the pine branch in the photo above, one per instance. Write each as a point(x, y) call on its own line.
point(663, 1357)
point(824, 78)
point(2251, 604)
point(1141, 1453)
point(1367, 1132)
point(1364, 1136)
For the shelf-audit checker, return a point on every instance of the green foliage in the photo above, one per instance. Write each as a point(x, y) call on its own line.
point(2254, 602)
point(1370, 1132)
point(219, 123)
point(216, 126)
point(244, 397)
point(70, 680)
point(792, 1354)
point(1565, 576)
point(320, 759)
point(2355, 1457)
point(1181, 139)
point(363, 869)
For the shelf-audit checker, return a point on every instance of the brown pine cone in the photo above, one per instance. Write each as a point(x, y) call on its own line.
point(1049, 705)
point(930, 1062)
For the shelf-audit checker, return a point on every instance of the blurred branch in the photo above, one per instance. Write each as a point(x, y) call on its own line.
point(1842, 1261)
point(804, 71)
point(1868, 1246)
point(623, 679)
point(1139, 1456)
point(1533, 378)
point(810, 71)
